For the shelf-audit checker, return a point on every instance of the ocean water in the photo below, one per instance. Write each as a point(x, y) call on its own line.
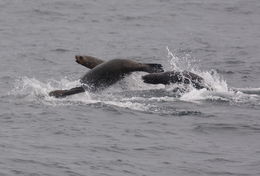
point(131, 128)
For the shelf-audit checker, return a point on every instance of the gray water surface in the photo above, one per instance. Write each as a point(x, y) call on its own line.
point(131, 128)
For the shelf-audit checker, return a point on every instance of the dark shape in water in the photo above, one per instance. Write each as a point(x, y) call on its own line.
point(169, 77)
point(104, 74)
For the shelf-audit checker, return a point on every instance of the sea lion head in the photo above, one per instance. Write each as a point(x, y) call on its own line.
point(156, 78)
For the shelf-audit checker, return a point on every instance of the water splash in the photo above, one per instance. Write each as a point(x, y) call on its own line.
point(32, 89)
point(181, 63)
point(219, 87)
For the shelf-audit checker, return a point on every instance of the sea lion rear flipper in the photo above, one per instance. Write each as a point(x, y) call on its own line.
point(64, 93)
point(153, 68)
point(88, 61)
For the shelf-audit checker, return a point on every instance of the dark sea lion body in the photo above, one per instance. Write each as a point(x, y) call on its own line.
point(104, 74)
point(110, 72)
point(169, 77)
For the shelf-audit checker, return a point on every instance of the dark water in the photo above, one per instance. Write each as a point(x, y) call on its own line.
point(131, 128)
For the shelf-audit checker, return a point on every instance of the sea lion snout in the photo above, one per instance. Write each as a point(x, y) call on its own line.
point(150, 79)
point(156, 78)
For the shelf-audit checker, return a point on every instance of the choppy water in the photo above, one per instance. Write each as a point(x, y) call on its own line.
point(132, 128)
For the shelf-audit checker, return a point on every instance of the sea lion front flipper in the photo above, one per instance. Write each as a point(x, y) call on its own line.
point(64, 93)
point(88, 61)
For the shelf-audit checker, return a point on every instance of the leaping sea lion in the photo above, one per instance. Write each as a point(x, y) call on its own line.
point(104, 74)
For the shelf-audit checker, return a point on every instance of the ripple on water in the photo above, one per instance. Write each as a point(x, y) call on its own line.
point(61, 50)
point(225, 127)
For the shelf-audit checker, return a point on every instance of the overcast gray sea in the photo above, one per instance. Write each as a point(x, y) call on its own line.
point(131, 128)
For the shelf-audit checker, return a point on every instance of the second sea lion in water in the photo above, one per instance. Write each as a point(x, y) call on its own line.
point(104, 74)
point(169, 77)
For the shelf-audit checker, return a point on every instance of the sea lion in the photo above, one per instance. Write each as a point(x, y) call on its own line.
point(185, 77)
point(104, 74)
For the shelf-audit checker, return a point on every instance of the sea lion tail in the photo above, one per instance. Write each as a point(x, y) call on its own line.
point(154, 68)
